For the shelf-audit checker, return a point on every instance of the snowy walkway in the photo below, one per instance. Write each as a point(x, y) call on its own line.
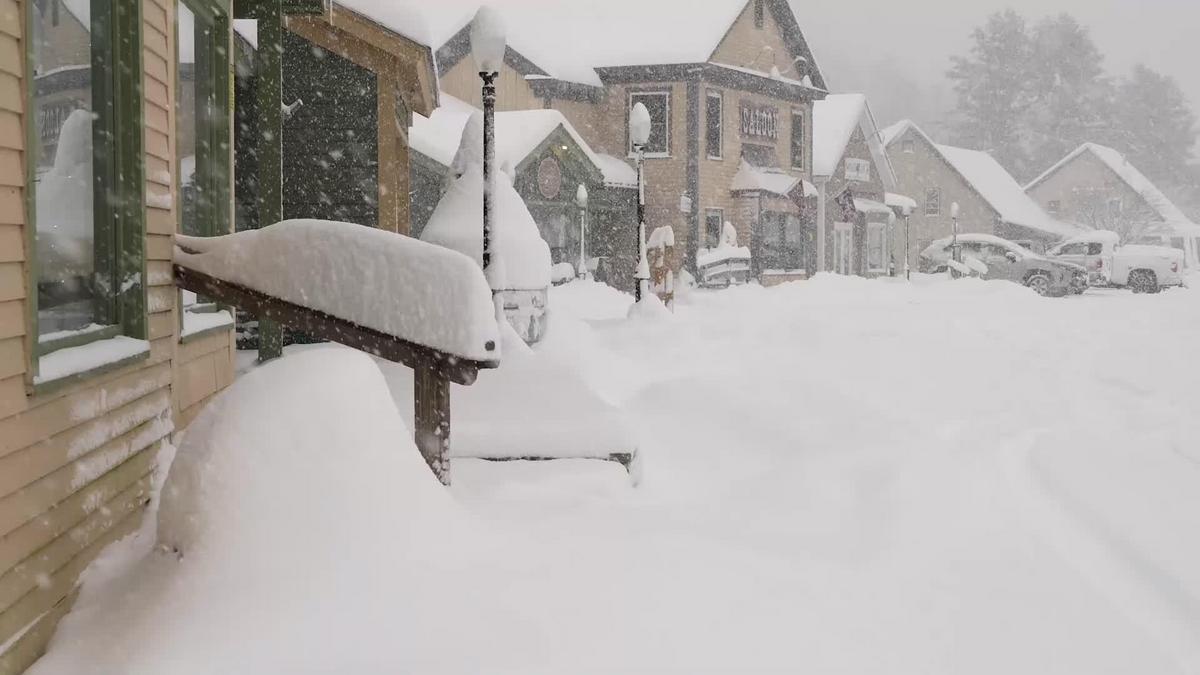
point(838, 476)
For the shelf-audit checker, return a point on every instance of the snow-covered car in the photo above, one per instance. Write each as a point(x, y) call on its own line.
point(994, 258)
point(1142, 268)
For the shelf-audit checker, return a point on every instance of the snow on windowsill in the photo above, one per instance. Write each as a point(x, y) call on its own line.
point(198, 324)
point(97, 355)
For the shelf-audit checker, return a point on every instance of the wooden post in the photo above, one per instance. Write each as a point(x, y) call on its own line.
point(432, 419)
point(270, 146)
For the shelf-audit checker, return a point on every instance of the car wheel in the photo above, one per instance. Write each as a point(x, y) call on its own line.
point(1143, 281)
point(1039, 282)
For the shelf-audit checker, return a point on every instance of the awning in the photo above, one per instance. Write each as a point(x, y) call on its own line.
point(773, 181)
point(900, 201)
point(870, 206)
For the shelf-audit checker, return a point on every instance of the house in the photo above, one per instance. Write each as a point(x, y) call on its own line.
point(548, 160)
point(730, 96)
point(990, 200)
point(109, 147)
point(854, 178)
point(1097, 187)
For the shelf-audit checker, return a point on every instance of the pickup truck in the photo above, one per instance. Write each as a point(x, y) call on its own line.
point(1144, 269)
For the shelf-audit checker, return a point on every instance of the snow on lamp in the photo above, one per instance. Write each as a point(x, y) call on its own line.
point(488, 40)
point(487, 48)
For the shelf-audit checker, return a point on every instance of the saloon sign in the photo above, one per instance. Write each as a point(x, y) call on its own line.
point(760, 122)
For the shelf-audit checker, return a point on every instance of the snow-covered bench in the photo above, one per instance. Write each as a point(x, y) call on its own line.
point(395, 297)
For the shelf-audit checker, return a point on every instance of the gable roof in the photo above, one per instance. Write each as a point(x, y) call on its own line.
point(1128, 173)
point(834, 122)
point(990, 181)
point(518, 134)
point(569, 40)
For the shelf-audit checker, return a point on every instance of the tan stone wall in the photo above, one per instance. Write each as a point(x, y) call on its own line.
point(922, 169)
point(75, 463)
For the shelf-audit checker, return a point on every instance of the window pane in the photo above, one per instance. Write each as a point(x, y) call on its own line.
point(713, 130)
point(658, 107)
point(62, 115)
point(797, 140)
point(195, 115)
point(713, 221)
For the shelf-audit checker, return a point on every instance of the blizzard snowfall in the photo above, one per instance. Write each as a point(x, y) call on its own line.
point(840, 475)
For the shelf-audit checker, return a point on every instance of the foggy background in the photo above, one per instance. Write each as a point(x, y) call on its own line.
point(898, 52)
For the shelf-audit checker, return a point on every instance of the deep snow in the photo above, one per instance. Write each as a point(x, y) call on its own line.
point(839, 475)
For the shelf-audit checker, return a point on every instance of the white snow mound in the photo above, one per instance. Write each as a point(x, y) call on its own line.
point(395, 284)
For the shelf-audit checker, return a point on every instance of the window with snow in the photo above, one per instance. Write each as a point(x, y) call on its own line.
point(88, 287)
point(714, 220)
point(933, 202)
point(783, 242)
point(1054, 207)
point(876, 247)
point(908, 147)
point(798, 139)
point(858, 169)
point(714, 128)
point(202, 116)
point(658, 104)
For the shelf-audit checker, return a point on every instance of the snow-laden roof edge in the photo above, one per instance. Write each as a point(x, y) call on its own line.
point(834, 122)
point(1128, 173)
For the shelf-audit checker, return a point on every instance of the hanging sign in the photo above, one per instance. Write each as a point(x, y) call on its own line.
point(760, 121)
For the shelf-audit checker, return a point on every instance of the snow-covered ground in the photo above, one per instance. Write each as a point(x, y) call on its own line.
point(836, 476)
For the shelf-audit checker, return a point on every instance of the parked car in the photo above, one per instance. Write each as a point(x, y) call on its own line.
point(995, 258)
point(1142, 268)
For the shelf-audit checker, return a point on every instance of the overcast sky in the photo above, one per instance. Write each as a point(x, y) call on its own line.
point(867, 43)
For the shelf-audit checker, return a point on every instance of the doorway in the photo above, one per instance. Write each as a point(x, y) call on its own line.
point(843, 245)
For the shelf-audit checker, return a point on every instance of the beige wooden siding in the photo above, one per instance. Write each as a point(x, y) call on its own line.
point(512, 91)
point(747, 46)
point(75, 464)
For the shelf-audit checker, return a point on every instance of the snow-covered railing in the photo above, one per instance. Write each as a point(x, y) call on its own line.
point(395, 297)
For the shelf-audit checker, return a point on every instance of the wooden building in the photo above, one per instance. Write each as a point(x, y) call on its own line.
point(1097, 187)
point(732, 88)
point(989, 198)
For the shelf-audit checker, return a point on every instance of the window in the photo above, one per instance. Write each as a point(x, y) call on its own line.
point(202, 118)
point(908, 147)
point(933, 202)
point(783, 241)
point(1073, 249)
point(798, 139)
point(759, 13)
point(1054, 207)
point(658, 103)
point(86, 172)
point(876, 247)
point(714, 221)
point(858, 169)
point(1115, 206)
point(713, 131)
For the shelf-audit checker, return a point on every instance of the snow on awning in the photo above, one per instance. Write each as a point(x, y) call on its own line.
point(617, 172)
point(871, 206)
point(900, 201)
point(753, 179)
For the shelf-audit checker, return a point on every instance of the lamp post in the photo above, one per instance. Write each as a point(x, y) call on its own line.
point(907, 211)
point(639, 135)
point(487, 49)
point(581, 199)
point(955, 251)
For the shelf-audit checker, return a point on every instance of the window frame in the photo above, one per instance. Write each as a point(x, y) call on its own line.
point(797, 151)
point(720, 226)
point(719, 97)
point(629, 103)
point(933, 191)
point(862, 173)
point(118, 168)
point(882, 229)
point(908, 146)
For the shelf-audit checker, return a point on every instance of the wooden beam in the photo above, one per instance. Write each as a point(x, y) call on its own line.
point(431, 419)
point(449, 367)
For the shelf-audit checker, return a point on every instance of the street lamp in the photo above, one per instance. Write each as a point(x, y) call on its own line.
point(581, 199)
point(907, 211)
point(955, 251)
point(639, 135)
point(487, 49)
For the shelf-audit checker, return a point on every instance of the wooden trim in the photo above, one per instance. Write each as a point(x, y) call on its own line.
point(328, 327)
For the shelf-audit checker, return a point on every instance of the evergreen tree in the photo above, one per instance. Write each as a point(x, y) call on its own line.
point(992, 85)
point(1156, 127)
point(1071, 97)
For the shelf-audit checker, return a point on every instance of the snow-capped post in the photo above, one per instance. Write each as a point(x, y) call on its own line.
point(581, 200)
point(955, 251)
point(487, 48)
point(907, 210)
point(639, 135)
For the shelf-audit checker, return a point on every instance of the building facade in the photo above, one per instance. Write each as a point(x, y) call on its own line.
point(743, 96)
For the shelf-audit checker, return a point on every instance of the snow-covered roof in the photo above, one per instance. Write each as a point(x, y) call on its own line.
point(569, 40)
point(871, 206)
point(999, 189)
point(900, 201)
point(1129, 174)
point(403, 17)
point(991, 181)
point(751, 178)
point(834, 122)
point(518, 134)
point(773, 76)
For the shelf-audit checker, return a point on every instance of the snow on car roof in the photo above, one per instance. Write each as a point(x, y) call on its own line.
point(1129, 174)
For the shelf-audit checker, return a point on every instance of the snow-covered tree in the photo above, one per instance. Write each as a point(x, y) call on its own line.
point(1157, 128)
point(992, 85)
